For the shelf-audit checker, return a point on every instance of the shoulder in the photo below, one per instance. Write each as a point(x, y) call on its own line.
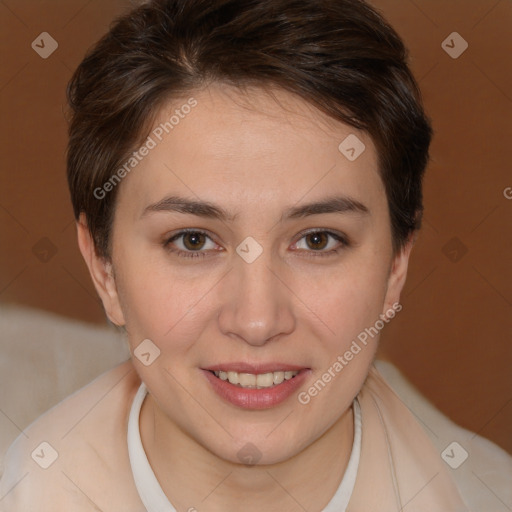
point(74, 457)
point(469, 458)
point(410, 470)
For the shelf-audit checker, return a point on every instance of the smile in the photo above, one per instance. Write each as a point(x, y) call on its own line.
point(255, 388)
point(255, 381)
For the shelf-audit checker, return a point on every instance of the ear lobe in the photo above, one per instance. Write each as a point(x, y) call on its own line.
point(398, 274)
point(101, 273)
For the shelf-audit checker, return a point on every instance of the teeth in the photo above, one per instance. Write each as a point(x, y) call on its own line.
point(278, 377)
point(246, 380)
point(233, 377)
point(257, 381)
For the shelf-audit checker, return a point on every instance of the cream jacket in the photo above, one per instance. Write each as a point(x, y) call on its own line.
point(75, 456)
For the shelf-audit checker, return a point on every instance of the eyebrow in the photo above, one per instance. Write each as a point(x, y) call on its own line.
point(338, 204)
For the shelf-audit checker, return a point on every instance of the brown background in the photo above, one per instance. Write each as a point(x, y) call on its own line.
point(453, 338)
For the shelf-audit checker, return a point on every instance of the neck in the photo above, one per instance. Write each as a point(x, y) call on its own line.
point(192, 477)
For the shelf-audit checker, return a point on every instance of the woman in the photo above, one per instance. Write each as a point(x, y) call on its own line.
point(246, 178)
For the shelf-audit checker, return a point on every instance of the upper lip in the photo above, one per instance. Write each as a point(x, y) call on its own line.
point(254, 368)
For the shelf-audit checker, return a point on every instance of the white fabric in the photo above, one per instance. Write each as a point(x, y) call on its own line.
point(43, 359)
point(154, 498)
point(340, 500)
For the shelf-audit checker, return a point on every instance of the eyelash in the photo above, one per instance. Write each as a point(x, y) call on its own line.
point(313, 254)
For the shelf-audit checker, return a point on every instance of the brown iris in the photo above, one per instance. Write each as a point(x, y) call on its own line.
point(193, 240)
point(318, 240)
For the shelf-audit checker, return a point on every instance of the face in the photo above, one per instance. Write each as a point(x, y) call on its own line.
point(246, 242)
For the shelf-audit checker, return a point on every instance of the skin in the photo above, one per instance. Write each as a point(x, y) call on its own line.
point(255, 156)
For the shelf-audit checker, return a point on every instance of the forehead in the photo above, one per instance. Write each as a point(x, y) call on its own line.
point(226, 145)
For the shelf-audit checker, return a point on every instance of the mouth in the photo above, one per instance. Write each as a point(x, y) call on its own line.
point(249, 387)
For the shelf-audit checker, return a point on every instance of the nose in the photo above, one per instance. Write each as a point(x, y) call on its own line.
point(257, 306)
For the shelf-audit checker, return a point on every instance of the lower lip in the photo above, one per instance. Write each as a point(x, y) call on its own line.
point(264, 398)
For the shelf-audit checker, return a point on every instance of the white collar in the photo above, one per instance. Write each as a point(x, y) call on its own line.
point(153, 496)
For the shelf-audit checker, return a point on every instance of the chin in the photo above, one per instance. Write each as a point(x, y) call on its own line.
point(260, 448)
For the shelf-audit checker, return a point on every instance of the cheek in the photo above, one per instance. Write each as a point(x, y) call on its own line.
point(165, 307)
point(346, 299)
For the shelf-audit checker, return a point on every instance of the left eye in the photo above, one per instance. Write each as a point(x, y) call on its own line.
point(320, 241)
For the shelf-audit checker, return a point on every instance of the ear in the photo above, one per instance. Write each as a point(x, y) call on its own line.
point(398, 274)
point(101, 273)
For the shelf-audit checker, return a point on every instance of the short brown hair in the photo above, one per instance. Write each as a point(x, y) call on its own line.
point(339, 55)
